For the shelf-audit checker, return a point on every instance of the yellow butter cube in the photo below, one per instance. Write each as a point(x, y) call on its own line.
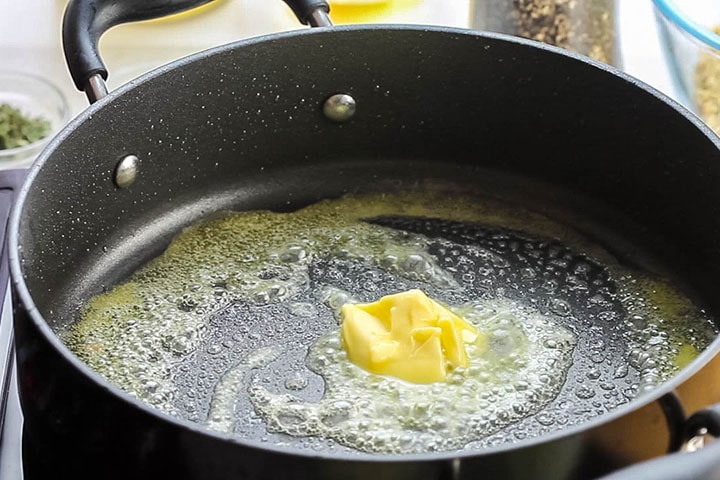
point(406, 335)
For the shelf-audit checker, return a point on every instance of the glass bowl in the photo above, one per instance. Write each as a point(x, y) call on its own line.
point(692, 51)
point(34, 97)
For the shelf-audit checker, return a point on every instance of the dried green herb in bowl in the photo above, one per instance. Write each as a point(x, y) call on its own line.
point(32, 110)
point(18, 130)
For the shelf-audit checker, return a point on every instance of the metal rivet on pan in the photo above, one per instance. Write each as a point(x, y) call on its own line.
point(126, 171)
point(339, 107)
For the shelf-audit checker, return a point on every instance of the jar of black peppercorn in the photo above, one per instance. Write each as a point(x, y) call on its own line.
point(583, 26)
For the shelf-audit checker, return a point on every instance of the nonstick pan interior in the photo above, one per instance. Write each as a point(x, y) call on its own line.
point(611, 364)
point(504, 109)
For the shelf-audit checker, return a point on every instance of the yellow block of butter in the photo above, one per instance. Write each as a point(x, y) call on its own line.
point(406, 335)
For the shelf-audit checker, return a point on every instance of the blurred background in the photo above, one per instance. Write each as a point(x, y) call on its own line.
point(637, 36)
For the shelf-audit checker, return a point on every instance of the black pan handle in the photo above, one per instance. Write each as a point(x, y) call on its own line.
point(703, 464)
point(311, 12)
point(86, 20)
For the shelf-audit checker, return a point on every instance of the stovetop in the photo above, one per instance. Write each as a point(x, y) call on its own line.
point(10, 413)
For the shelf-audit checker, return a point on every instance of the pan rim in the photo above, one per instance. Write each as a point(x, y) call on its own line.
point(60, 348)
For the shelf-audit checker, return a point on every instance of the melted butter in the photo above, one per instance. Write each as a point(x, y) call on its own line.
point(191, 331)
point(406, 335)
point(506, 379)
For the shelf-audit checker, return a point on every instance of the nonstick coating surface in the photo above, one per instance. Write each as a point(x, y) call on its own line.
point(598, 381)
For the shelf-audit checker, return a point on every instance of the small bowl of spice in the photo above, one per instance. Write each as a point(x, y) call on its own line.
point(32, 110)
point(690, 35)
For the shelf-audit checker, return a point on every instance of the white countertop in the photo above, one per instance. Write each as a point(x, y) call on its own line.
point(30, 37)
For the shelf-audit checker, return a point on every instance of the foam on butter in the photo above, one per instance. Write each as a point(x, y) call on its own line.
point(236, 325)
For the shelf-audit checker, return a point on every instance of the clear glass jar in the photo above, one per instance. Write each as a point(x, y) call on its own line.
point(583, 26)
point(690, 38)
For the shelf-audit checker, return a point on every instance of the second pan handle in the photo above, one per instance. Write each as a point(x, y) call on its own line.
point(86, 20)
point(687, 464)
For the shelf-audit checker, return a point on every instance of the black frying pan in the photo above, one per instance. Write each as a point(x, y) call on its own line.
point(560, 134)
